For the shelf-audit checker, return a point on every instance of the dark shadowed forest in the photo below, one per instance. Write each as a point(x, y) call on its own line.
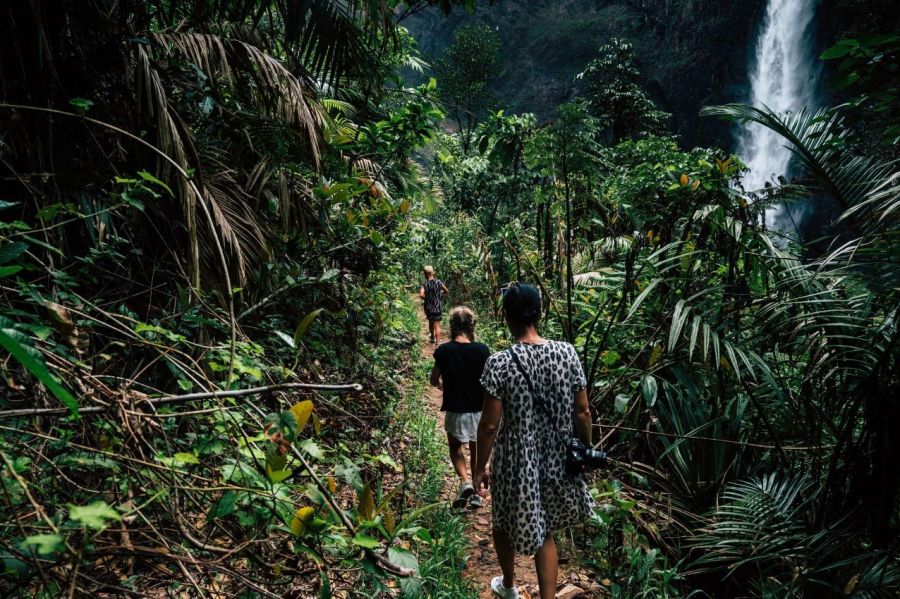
point(214, 217)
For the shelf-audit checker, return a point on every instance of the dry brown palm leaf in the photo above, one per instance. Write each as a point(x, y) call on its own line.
point(239, 227)
point(173, 140)
point(247, 69)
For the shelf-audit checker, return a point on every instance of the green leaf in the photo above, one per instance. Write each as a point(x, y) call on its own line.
point(387, 461)
point(649, 389)
point(309, 446)
point(836, 51)
point(403, 558)
point(6, 271)
point(275, 461)
point(151, 179)
point(81, 104)
point(224, 506)
point(11, 251)
point(286, 338)
point(45, 544)
point(622, 402)
point(96, 515)
point(4, 204)
point(277, 476)
point(365, 542)
point(610, 357)
point(324, 586)
point(34, 363)
point(350, 473)
point(412, 586)
point(304, 325)
point(186, 458)
point(179, 459)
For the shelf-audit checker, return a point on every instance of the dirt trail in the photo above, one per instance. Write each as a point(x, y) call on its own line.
point(482, 564)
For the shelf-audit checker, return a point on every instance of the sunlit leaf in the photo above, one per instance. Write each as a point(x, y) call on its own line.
point(96, 515)
point(366, 508)
point(45, 544)
point(301, 412)
point(304, 325)
point(366, 542)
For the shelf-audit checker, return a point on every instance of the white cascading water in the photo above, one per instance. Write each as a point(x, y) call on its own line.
point(783, 79)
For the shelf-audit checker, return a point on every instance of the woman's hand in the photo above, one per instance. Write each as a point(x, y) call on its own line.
point(481, 479)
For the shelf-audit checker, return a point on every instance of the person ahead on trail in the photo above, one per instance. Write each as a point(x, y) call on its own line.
point(432, 291)
point(457, 369)
point(532, 493)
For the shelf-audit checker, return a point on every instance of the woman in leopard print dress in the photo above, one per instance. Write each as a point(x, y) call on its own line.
point(531, 493)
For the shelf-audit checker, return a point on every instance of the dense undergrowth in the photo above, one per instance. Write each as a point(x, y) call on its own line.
point(741, 375)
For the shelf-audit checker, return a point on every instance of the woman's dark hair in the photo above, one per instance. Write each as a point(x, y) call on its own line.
point(522, 304)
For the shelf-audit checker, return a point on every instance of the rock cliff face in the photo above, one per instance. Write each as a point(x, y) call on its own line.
point(691, 52)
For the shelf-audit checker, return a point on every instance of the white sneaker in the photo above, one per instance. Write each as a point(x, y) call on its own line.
point(502, 591)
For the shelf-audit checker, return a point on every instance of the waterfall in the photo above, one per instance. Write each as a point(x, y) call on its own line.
point(783, 78)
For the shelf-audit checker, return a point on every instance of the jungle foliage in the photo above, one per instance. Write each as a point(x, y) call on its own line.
point(746, 384)
point(205, 214)
point(211, 215)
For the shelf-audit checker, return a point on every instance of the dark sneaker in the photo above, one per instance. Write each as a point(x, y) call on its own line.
point(476, 502)
point(431, 338)
point(466, 490)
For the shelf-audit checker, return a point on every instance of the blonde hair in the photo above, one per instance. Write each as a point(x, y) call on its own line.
point(428, 270)
point(462, 322)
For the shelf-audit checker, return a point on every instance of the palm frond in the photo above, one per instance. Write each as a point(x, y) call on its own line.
point(250, 71)
point(758, 521)
point(814, 138)
point(329, 35)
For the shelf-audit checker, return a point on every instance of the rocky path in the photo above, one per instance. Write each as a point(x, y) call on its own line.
point(482, 564)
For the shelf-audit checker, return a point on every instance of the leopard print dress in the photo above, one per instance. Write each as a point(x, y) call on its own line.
point(531, 493)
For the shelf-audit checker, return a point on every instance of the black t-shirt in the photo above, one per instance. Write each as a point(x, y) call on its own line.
point(460, 365)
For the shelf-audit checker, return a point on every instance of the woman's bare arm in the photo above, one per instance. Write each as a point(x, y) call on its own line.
point(422, 291)
point(487, 432)
point(444, 287)
point(583, 420)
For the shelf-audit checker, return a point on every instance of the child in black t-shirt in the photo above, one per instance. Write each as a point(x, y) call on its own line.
point(431, 292)
point(457, 369)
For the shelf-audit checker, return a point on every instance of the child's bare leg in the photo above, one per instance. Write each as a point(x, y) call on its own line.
point(457, 457)
point(437, 331)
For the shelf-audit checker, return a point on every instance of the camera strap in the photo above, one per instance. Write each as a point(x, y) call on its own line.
point(535, 398)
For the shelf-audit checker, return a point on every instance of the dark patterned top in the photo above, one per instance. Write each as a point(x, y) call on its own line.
point(434, 302)
point(532, 494)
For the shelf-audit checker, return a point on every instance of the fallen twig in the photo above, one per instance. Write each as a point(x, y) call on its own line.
point(155, 401)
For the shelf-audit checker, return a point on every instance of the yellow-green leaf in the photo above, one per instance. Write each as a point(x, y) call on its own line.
point(276, 476)
point(365, 542)
point(304, 325)
point(302, 519)
point(367, 504)
point(301, 412)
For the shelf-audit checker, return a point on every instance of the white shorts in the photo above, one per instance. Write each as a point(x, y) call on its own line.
point(462, 426)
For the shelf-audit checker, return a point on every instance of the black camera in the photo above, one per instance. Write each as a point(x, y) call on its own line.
point(580, 458)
